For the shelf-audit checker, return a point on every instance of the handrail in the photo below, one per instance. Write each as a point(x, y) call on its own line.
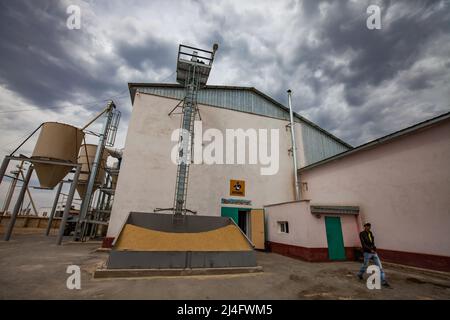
point(203, 50)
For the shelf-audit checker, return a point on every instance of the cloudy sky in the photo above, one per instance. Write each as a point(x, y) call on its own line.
point(357, 83)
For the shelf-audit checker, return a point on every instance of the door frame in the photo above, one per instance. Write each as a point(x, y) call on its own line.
point(339, 241)
point(235, 217)
point(237, 209)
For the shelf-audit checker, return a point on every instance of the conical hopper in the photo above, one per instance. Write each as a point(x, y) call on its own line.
point(57, 142)
point(86, 158)
point(155, 241)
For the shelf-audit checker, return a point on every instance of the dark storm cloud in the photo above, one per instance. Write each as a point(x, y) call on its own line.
point(149, 53)
point(380, 54)
point(37, 60)
point(359, 84)
point(44, 62)
point(310, 8)
point(236, 47)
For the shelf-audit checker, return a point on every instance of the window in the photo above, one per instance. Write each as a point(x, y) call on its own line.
point(283, 226)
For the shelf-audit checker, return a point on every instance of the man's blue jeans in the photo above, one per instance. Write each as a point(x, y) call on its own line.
point(367, 257)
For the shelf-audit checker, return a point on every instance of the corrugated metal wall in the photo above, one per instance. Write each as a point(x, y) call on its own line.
point(239, 100)
point(177, 93)
point(317, 144)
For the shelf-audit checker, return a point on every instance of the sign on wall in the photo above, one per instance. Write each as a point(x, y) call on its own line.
point(241, 202)
point(237, 188)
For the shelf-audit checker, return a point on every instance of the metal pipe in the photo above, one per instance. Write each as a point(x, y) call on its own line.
point(65, 216)
point(95, 166)
point(55, 204)
point(294, 146)
point(96, 117)
point(4, 167)
point(23, 142)
point(19, 201)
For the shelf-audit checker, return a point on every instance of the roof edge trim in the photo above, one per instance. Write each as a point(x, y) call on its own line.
point(132, 88)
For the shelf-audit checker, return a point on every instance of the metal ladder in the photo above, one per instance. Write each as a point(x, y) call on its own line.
point(107, 138)
point(186, 143)
point(113, 128)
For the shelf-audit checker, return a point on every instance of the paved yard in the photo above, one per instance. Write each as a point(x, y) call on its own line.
point(33, 267)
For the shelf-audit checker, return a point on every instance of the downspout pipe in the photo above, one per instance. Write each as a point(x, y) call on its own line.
point(294, 146)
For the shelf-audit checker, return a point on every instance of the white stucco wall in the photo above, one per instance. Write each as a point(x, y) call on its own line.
point(147, 175)
point(402, 188)
point(305, 229)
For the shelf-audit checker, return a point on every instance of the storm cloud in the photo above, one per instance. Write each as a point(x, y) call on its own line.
point(357, 83)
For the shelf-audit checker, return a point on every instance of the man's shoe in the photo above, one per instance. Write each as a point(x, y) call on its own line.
point(360, 276)
point(386, 284)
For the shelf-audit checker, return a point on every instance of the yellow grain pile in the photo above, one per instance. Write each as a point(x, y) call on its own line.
point(227, 238)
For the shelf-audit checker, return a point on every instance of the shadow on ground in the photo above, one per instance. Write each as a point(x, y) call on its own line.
point(34, 267)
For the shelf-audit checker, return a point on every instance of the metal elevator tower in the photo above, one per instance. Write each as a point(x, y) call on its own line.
point(193, 68)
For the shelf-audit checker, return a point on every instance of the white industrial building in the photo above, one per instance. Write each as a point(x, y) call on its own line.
point(147, 176)
point(400, 182)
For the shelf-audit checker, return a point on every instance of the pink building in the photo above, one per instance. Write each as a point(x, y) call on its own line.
point(400, 183)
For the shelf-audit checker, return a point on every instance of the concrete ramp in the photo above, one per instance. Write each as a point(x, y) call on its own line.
point(156, 241)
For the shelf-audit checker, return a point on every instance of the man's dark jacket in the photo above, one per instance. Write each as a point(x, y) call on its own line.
point(368, 245)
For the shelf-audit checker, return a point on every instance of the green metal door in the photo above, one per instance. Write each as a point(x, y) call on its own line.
point(335, 240)
point(232, 213)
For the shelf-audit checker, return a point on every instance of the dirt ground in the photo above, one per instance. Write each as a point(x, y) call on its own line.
point(32, 266)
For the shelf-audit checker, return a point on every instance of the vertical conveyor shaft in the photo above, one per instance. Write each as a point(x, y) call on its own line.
point(185, 142)
point(193, 69)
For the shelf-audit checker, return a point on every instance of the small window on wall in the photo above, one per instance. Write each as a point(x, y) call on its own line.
point(283, 226)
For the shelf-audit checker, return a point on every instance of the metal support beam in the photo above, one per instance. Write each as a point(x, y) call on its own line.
point(58, 163)
point(97, 214)
point(55, 204)
point(68, 205)
point(85, 222)
point(29, 196)
point(4, 167)
point(95, 118)
point(79, 229)
point(178, 105)
point(11, 189)
point(18, 204)
point(23, 142)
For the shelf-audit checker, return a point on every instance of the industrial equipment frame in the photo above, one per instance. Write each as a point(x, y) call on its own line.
point(26, 181)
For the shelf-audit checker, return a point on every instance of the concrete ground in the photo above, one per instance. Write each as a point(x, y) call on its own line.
point(33, 267)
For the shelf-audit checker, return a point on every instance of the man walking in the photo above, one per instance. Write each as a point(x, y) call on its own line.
point(370, 253)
